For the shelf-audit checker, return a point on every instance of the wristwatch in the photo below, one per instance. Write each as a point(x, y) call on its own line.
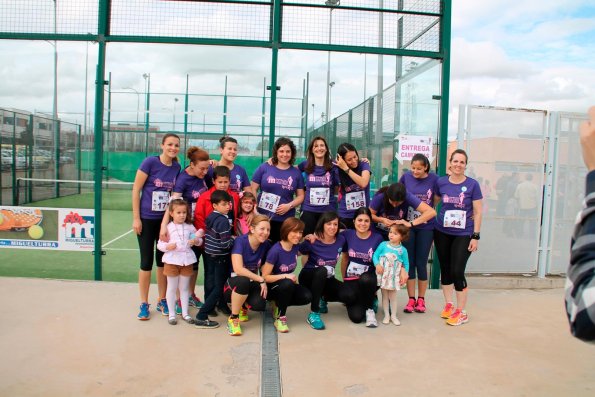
point(475, 236)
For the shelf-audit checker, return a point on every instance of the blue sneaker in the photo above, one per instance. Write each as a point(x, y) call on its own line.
point(322, 306)
point(144, 312)
point(162, 307)
point(195, 301)
point(315, 321)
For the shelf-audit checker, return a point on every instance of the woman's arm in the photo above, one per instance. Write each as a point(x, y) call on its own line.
point(477, 208)
point(237, 261)
point(427, 213)
point(139, 181)
point(254, 188)
point(267, 269)
point(344, 263)
point(163, 235)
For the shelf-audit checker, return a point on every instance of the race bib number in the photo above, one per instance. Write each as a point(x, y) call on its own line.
point(159, 201)
point(269, 201)
point(455, 219)
point(330, 271)
point(356, 269)
point(319, 196)
point(355, 200)
point(412, 214)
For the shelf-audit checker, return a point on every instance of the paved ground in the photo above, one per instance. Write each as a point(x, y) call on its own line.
point(65, 338)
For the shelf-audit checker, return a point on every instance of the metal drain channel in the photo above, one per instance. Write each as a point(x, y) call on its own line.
point(270, 373)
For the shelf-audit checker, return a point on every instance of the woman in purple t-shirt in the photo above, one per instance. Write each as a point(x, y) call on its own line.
point(319, 259)
point(388, 208)
point(359, 273)
point(246, 289)
point(419, 182)
point(456, 234)
point(321, 183)
point(281, 186)
point(279, 273)
point(238, 179)
point(154, 181)
point(190, 184)
point(354, 183)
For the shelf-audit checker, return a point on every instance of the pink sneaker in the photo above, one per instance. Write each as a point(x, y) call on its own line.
point(420, 305)
point(409, 307)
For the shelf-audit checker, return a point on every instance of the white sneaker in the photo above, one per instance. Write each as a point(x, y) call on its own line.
point(371, 319)
point(395, 321)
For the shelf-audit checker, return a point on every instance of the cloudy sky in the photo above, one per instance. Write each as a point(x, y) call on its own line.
point(522, 53)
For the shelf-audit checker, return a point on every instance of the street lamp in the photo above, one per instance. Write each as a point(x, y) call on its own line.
point(147, 77)
point(313, 111)
point(137, 101)
point(330, 3)
point(174, 121)
point(330, 96)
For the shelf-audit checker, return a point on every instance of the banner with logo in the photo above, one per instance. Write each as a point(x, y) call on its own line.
point(409, 145)
point(47, 228)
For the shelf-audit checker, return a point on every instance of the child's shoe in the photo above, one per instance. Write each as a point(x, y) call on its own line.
point(281, 324)
point(420, 305)
point(194, 301)
point(457, 318)
point(162, 307)
point(386, 320)
point(447, 311)
point(172, 321)
point(395, 320)
point(322, 306)
point(144, 312)
point(410, 306)
point(243, 315)
point(233, 326)
point(315, 321)
point(188, 319)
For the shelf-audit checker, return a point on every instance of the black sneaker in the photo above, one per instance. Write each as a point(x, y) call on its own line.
point(225, 310)
point(213, 313)
point(207, 324)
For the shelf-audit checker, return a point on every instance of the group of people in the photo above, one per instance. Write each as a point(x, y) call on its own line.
point(250, 238)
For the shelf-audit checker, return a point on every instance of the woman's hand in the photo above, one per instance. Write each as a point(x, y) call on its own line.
point(403, 276)
point(137, 226)
point(291, 277)
point(263, 290)
point(473, 245)
point(387, 222)
point(282, 209)
point(213, 163)
point(163, 234)
point(339, 162)
point(379, 269)
point(311, 238)
point(171, 246)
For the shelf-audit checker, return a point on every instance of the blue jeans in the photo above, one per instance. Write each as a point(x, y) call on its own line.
point(217, 270)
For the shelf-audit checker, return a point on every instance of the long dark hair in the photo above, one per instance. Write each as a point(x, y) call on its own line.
point(394, 192)
point(342, 150)
point(324, 218)
point(311, 162)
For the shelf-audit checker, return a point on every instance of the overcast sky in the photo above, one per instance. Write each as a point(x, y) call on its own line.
point(522, 53)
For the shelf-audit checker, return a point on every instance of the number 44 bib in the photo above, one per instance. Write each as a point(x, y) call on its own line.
point(455, 218)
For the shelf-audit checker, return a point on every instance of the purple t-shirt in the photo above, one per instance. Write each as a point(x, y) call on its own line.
point(158, 186)
point(320, 189)
point(252, 259)
point(391, 212)
point(238, 178)
point(276, 187)
point(360, 253)
point(191, 188)
point(423, 189)
point(456, 214)
point(283, 262)
point(350, 198)
point(321, 254)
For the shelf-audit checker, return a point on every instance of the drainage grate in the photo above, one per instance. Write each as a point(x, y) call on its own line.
point(270, 373)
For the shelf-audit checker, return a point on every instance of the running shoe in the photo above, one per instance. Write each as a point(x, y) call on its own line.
point(244, 314)
point(162, 307)
point(233, 326)
point(144, 312)
point(457, 318)
point(178, 307)
point(410, 306)
point(281, 324)
point(371, 319)
point(322, 306)
point(448, 309)
point(420, 305)
point(194, 301)
point(274, 310)
point(206, 324)
point(315, 321)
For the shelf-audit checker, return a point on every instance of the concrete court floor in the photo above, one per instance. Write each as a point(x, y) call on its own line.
point(71, 338)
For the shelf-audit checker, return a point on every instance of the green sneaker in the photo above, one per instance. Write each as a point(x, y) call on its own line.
point(195, 301)
point(315, 321)
point(233, 326)
point(281, 324)
point(322, 306)
point(244, 314)
point(274, 310)
point(178, 307)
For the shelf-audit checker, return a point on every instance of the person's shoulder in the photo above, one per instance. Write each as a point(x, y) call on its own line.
point(363, 166)
point(302, 165)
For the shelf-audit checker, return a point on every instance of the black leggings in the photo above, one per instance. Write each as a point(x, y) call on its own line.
point(310, 219)
point(146, 243)
point(285, 293)
point(319, 285)
point(275, 234)
point(346, 223)
point(364, 289)
point(453, 254)
point(244, 286)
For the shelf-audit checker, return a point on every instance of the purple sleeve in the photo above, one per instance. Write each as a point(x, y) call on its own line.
point(245, 179)
point(300, 181)
point(377, 202)
point(366, 167)
point(238, 246)
point(147, 165)
point(402, 179)
point(476, 195)
point(257, 176)
point(273, 255)
point(412, 201)
point(305, 247)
